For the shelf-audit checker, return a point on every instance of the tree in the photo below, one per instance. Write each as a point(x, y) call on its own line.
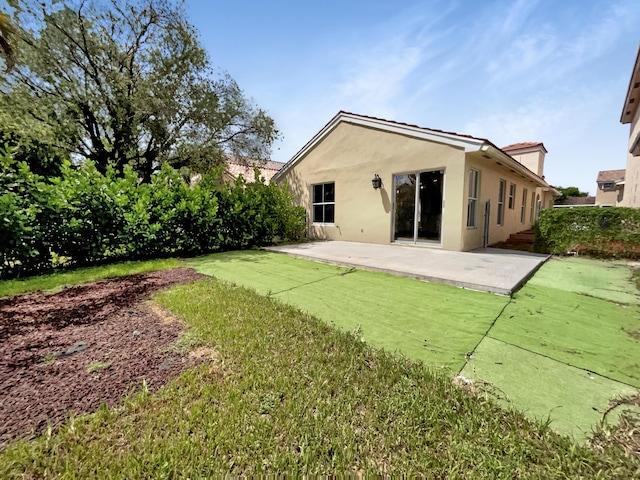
point(569, 192)
point(7, 32)
point(126, 82)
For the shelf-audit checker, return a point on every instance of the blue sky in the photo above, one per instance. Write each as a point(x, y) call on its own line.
point(510, 71)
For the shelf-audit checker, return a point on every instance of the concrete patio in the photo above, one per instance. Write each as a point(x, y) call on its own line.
point(489, 269)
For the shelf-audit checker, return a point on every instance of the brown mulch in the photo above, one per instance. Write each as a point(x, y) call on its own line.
point(49, 345)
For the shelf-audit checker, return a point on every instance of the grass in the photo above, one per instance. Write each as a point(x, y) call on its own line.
point(566, 346)
point(535, 353)
point(287, 393)
point(572, 400)
point(607, 280)
point(81, 275)
point(582, 331)
point(436, 324)
point(98, 366)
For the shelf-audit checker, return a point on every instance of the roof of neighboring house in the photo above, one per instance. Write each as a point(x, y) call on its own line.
point(523, 145)
point(610, 176)
point(632, 99)
point(245, 168)
point(467, 142)
point(578, 201)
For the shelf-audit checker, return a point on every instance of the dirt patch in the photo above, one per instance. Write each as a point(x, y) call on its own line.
point(70, 351)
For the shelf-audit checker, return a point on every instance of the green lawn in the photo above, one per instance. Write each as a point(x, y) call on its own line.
point(437, 324)
point(58, 280)
point(287, 394)
point(549, 333)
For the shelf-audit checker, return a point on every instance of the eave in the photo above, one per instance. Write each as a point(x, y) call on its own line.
point(464, 142)
point(492, 153)
point(633, 93)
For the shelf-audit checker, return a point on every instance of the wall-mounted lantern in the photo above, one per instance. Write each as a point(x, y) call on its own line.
point(376, 182)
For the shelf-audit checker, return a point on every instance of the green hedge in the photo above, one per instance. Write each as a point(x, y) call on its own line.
point(601, 232)
point(83, 217)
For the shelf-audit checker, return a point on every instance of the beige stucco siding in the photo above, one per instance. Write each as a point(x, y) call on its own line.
point(610, 197)
point(632, 175)
point(350, 156)
point(490, 175)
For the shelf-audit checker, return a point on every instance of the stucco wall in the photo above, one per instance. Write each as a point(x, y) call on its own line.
point(534, 161)
point(350, 156)
point(490, 175)
point(606, 197)
point(632, 175)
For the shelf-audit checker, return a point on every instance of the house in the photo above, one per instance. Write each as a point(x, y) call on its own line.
point(373, 180)
point(631, 115)
point(236, 167)
point(610, 190)
point(577, 202)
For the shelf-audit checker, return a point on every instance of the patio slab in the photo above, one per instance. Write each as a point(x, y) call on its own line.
point(492, 270)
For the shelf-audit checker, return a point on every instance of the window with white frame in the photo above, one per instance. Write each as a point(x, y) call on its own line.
point(472, 202)
point(533, 204)
point(324, 202)
point(512, 196)
point(523, 208)
point(501, 194)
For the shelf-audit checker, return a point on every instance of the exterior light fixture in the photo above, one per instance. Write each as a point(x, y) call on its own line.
point(376, 182)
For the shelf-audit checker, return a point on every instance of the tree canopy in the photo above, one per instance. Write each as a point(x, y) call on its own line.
point(125, 82)
point(569, 192)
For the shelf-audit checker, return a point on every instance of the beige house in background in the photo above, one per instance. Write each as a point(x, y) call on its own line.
point(236, 167)
point(631, 115)
point(610, 190)
point(372, 180)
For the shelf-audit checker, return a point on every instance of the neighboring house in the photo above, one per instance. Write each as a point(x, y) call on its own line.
point(610, 190)
point(577, 202)
point(236, 167)
point(372, 180)
point(631, 115)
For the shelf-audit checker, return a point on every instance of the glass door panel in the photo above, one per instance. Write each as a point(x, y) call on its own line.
point(430, 206)
point(405, 207)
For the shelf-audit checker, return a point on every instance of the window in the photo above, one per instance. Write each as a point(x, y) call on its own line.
point(607, 186)
point(501, 193)
point(523, 208)
point(512, 196)
point(472, 203)
point(533, 204)
point(324, 203)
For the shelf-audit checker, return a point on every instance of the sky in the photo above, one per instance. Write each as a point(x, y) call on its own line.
point(506, 70)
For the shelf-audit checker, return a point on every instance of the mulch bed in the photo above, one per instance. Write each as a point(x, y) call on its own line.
point(71, 351)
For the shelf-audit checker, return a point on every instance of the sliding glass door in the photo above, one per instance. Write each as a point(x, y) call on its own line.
point(418, 206)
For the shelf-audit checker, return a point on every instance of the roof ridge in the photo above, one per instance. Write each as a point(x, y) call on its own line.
point(412, 125)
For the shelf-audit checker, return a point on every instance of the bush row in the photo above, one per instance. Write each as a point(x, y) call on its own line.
point(601, 232)
point(83, 217)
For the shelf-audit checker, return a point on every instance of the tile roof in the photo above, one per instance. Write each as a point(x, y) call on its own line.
point(267, 169)
point(401, 125)
point(518, 146)
point(411, 125)
point(610, 176)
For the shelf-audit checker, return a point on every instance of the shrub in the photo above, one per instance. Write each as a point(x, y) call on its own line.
point(602, 232)
point(84, 217)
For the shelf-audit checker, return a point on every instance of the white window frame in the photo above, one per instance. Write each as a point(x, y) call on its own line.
point(523, 208)
point(533, 204)
point(323, 204)
point(502, 192)
point(473, 196)
point(512, 196)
